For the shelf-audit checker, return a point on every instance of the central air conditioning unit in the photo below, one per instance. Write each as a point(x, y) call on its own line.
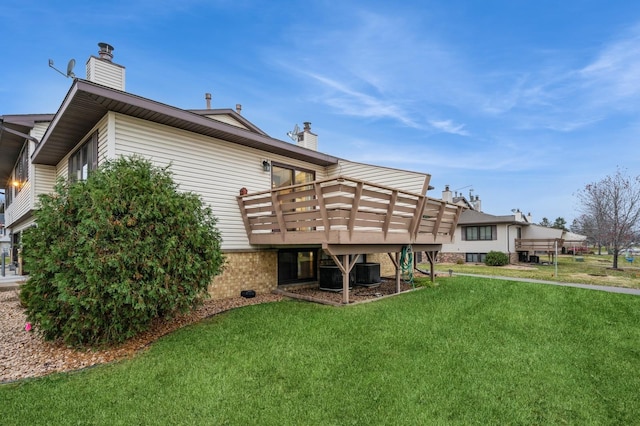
point(330, 278)
point(368, 274)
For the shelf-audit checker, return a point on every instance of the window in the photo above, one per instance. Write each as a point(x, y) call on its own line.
point(283, 176)
point(286, 176)
point(8, 193)
point(84, 160)
point(475, 257)
point(479, 233)
point(19, 175)
point(21, 171)
point(297, 265)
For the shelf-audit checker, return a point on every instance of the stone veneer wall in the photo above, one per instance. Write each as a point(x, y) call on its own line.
point(256, 271)
point(450, 257)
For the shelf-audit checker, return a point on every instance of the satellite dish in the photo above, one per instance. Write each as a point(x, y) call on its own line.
point(70, 65)
point(293, 134)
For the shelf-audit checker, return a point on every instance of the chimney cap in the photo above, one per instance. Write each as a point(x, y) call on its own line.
point(106, 51)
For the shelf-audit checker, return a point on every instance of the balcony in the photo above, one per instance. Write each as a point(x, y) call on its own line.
point(345, 211)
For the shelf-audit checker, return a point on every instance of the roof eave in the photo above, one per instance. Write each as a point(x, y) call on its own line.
point(14, 130)
point(86, 103)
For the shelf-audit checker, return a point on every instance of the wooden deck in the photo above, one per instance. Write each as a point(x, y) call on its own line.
point(346, 211)
point(547, 245)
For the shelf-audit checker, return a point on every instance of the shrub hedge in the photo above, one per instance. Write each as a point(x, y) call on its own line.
point(114, 252)
point(496, 258)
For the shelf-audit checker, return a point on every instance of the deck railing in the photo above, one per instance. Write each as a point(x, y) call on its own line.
point(346, 211)
point(538, 244)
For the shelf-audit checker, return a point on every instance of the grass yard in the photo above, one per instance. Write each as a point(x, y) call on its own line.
point(467, 351)
point(593, 269)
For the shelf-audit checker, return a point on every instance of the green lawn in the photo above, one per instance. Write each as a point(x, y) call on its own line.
point(466, 351)
point(593, 269)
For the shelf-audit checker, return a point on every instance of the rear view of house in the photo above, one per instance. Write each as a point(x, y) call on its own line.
point(285, 210)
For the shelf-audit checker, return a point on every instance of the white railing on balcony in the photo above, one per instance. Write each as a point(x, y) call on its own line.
point(346, 211)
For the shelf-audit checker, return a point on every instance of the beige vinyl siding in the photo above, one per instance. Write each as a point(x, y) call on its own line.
point(213, 168)
point(44, 180)
point(401, 179)
point(24, 225)
point(62, 168)
point(103, 136)
point(44, 177)
point(20, 206)
point(224, 118)
point(22, 201)
point(39, 129)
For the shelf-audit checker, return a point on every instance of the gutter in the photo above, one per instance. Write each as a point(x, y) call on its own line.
point(17, 133)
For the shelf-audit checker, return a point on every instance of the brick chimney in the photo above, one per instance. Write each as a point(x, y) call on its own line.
point(102, 70)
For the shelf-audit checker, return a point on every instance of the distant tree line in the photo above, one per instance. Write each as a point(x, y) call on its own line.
point(559, 223)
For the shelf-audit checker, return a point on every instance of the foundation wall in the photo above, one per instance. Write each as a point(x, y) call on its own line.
point(256, 271)
point(451, 257)
point(386, 265)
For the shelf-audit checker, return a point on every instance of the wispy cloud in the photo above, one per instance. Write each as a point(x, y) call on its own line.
point(449, 126)
point(378, 66)
point(355, 103)
point(566, 99)
point(614, 75)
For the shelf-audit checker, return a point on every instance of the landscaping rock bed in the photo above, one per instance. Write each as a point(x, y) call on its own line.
point(24, 354)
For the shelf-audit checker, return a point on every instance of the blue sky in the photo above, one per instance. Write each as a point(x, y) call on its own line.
point(525, 102)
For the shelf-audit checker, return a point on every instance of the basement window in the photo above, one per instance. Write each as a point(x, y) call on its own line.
point(475, 257)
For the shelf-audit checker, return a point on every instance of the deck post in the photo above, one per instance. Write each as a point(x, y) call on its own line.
point(431, 255)
point(397, 265)
point(345, 279)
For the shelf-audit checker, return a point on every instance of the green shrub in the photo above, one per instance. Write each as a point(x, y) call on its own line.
point(496, 258)
point(114, 252)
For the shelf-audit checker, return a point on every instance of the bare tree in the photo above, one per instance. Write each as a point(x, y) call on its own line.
point(611, 207)
point(586, 225)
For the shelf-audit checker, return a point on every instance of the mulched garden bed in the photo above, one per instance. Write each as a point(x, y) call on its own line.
point(357, 294)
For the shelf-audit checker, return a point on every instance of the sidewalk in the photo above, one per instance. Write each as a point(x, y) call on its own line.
point(623, 290)
point(11, 281)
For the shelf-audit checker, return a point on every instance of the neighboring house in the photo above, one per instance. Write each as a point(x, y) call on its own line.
point(285, 211)
point(477, 233)
point(5, 240)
